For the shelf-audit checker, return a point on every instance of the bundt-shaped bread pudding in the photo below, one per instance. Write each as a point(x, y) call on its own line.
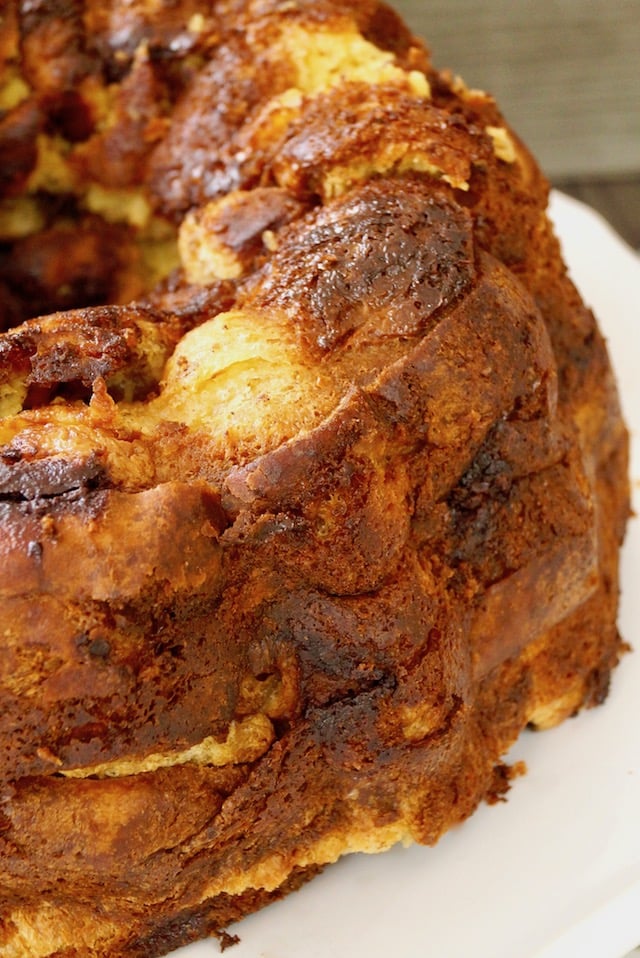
point(312, 470)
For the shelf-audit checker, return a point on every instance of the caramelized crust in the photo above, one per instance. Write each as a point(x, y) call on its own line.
point(312, 469)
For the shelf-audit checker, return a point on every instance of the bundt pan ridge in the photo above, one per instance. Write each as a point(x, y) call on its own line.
point(313, 475)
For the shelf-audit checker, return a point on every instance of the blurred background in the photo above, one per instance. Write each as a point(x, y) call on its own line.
point(566, 74)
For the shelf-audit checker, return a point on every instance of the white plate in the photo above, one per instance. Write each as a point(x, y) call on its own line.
point(555, 871)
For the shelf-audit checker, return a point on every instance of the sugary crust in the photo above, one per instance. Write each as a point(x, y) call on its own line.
point(297, 542)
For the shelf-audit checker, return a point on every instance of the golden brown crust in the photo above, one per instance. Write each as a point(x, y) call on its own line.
point(295, 544)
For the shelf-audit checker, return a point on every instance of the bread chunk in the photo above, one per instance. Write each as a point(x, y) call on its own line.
point(313, 475)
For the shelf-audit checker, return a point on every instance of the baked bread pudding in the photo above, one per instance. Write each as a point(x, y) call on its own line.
point(312, 470)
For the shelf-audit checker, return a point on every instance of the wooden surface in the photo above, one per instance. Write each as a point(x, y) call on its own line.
point(617, 198)
point(565, 72)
